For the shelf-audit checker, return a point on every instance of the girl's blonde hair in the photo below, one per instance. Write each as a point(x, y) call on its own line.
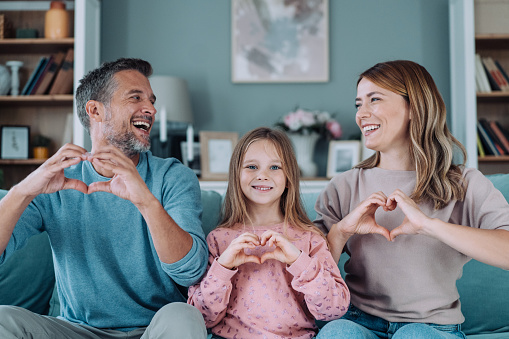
point(235, 209)
point(432, 145)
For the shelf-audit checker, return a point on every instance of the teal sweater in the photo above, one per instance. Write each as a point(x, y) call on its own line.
point(107, 271)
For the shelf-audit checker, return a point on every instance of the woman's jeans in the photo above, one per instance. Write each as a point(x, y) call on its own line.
point(356, 324)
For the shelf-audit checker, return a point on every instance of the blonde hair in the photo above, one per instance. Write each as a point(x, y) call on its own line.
point(235, 204)
point(432, 145)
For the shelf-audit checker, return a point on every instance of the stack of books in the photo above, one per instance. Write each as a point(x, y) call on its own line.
point(492, 138)
point(52, 75)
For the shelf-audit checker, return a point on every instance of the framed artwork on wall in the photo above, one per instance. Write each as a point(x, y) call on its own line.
point(280, 41)
point(216, 151)
point(343, 155)
point(15, 142)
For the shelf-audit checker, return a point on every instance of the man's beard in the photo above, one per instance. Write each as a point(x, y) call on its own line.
point(128, 143)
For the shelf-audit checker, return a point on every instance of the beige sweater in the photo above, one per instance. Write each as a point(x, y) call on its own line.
point(412, 279)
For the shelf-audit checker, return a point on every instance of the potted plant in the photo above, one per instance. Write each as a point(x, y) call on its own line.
point(41, 147)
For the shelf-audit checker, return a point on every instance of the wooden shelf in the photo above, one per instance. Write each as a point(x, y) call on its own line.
point(491, 41)
point(22, 161)
point(494, 158)
point(34, 46)
point(37, 99)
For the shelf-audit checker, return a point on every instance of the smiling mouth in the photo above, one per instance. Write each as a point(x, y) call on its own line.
point(143, 125)
point(262, 188)
point(370, 128)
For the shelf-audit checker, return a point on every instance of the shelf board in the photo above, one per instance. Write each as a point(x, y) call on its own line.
point(34, 46)
point(492, 41)
point(55, 99)
point(22, 161)
point(494, 158)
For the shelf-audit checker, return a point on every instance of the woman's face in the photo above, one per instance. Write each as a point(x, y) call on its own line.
point(383, 117)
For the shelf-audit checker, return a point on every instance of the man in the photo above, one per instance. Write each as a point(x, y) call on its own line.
point(124, 226)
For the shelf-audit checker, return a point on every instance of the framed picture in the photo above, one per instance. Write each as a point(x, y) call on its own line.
point(195, 165)
point(280, 41)
point(216, 151)
point(343, 155)
point(15, 142)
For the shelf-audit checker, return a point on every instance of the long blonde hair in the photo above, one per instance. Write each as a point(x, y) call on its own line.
point(235, 209)
point(432, 145)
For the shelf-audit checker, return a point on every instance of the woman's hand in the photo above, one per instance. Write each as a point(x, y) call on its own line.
point(362, 219)
point(414, 220)
point(235, 256)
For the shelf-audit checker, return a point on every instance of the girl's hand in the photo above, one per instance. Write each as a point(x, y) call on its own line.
point(234, 255)
point(362, 219)
point(414, 218)
point(285, 251)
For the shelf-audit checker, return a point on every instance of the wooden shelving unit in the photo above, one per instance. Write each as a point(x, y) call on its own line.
point(494, 105)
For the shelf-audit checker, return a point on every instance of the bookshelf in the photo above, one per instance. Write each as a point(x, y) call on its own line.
point(46, 114)
point(477, 26)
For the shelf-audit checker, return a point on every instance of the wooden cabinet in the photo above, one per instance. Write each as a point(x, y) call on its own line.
point(467, 106)
point(494, 106)
point(46, 114)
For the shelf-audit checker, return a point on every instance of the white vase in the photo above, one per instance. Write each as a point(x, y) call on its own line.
point(304, 146)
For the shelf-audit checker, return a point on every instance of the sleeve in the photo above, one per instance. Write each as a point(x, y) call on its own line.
point(30, 223)
point(212, 295)
point(484, 205)
point(317, 276)
point(328, 205)
point(182, 201)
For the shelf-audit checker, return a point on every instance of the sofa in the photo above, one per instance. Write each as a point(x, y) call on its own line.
point(27, 278)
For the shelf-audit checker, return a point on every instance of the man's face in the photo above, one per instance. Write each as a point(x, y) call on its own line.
point(130, 114)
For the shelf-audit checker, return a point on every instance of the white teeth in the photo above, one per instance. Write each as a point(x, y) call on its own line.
point(142, 124)
point(262, 188)
point(370, 128)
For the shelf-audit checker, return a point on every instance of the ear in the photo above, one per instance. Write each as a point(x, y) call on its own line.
point(95, 110)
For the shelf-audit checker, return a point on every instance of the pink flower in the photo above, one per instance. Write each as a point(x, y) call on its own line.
point(334, 129)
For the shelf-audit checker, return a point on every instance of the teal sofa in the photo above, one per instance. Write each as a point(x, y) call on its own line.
point(27, 279)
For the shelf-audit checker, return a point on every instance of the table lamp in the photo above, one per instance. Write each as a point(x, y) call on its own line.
point(173, 104)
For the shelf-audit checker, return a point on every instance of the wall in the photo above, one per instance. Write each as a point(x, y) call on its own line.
point(191, 39)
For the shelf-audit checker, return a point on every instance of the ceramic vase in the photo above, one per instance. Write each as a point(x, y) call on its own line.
point(304, 146)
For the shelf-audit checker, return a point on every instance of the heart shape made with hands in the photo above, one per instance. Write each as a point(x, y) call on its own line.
point(364, 216)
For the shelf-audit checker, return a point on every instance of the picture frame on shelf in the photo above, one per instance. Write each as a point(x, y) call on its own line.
point(195, 165)
point(294, 49)
point(15, 142)
point(216, 149)
point(343, 156)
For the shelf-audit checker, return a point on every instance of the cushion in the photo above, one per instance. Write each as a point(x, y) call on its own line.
point(211, 201)
point(484, 301)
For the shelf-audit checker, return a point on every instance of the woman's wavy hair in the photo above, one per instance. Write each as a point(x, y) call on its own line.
point(235, 205)
point(432, 145)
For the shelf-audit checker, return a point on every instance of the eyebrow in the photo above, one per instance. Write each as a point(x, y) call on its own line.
point(370, 94)
point(137, 91)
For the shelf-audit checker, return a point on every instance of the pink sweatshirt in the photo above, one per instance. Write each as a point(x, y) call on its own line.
point(271, 300)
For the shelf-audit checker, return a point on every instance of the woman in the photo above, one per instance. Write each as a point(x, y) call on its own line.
point(408, 216)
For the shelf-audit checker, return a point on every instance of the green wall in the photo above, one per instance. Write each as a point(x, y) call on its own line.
point(191, 39)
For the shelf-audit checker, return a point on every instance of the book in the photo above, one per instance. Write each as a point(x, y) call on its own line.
point(502, 70)
point(496, 141)
point(64, 79)
point(32, 77)
point(495, 73)
point(53, 67)
point(500, 135)
point(480, 148)
point(493, 83)
point(489, 146)
point(481, 76)
point(40, 76)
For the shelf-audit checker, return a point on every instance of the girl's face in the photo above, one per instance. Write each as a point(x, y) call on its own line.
point(383, 117)
point(262, 179)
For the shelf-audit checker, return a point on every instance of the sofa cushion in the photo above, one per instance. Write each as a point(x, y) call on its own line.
point(211, 201)
point(484, 289)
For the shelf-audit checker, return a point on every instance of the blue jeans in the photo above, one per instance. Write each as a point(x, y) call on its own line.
point(356, 324)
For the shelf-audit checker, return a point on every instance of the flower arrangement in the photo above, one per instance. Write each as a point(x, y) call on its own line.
point(306, 122)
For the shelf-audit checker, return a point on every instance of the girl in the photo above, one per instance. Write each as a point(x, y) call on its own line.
point(270, 272)
point(408, 216)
